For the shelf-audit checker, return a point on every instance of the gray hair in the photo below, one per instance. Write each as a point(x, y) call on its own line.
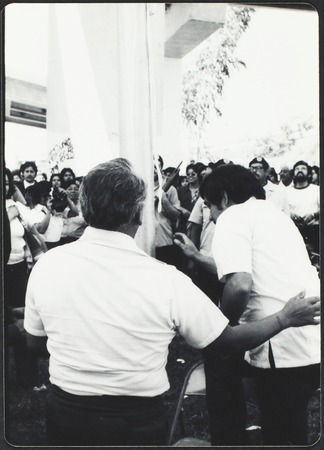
point(112, 195)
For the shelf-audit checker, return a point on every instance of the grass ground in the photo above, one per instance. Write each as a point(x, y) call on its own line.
point(25, 408)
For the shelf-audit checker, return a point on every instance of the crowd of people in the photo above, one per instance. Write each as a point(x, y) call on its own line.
point(231, 292)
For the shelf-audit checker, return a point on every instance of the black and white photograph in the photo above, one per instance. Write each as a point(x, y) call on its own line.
point(161, 281)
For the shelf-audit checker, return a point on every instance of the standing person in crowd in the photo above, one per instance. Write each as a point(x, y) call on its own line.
point(286, 176)
point(315, 175)
point(183, 181)
point(304, 204)
point(55, 180)
point(201, 265)
point(73, 221)
point(273, 176)
point(250, 234)
point(188, 196)
point(168, 172)
point(108, 334)
point(67, 175)
point(260, 169)
point(15, 283)
point(166, 213)
point(29, 172)
point(37, 197)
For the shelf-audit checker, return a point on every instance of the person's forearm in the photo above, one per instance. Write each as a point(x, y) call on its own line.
point(297, 312)
point(205, 262)
point(248, 335)
point(169, 210)
point(235, 296)
point(73, 207)
point(194, 232)
point(43, 225)
point(18, 197)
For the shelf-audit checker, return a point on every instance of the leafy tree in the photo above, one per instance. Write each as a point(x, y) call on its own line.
point(203, 83)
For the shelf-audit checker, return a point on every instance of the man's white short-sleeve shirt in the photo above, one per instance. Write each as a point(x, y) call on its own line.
point(200, 215)
point(257, 238)
point(110, 312)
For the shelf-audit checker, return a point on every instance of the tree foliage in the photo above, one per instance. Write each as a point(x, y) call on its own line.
point(290, 139)
point(203, 83)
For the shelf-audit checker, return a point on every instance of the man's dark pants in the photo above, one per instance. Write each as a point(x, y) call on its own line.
point(283, 396)
point(104, 420)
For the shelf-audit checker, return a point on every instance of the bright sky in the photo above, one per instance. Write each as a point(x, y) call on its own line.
point(280, 81)
point(279, 84)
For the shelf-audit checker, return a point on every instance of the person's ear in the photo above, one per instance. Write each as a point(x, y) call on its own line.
point(224, 201)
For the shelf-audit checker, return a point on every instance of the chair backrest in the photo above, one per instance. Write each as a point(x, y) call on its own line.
point(193, 384)
point(196, 382)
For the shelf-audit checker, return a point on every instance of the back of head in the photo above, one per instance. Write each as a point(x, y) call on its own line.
point(237, 181)
point(112, 195)
point(39, 191)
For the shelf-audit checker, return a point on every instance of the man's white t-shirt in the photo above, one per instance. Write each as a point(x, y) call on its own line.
point(112, 315)
point(302, 202)
point(257, 238)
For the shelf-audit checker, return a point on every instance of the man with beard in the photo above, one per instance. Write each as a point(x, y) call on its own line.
point(304, 204)
point(29, 171)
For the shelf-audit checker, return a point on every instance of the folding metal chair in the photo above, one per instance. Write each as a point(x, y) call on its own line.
point(193, 384)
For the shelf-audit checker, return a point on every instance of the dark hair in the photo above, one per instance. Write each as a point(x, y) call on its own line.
point(238, 182)
point(160, 159)
point(301, 163)
point(112, 195)
point(316, 169)
point(63, 172)
point(26, 164)
point(38, 190)
point(273, 172)
point(192, 167)
point(11, 183)
point(309, 169)
point(55, 175)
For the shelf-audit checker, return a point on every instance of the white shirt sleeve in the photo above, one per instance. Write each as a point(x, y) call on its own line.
point(193, 314)
point(232, 244)
point(196, 215)
point(32, 322)
point(173, 198)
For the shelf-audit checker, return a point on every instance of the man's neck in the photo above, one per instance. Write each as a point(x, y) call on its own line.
point(128, 229)
point(301, 184)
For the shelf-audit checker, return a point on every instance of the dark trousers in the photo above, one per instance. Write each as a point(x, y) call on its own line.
point(104, 420)
point(15, 284)
point(225, 398)
point(283, 396)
